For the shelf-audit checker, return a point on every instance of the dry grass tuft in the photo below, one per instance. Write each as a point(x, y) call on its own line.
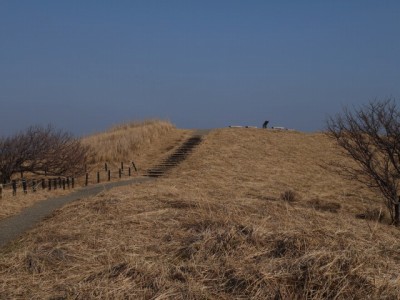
point(372, 214)
point(322, 205)
point(289, 196)
point(215, 229)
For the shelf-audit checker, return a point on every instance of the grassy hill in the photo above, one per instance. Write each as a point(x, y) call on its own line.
point(142, 142)
point(251, 214)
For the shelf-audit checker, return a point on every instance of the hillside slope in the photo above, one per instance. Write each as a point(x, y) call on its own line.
point(216, 227)
point(144, 143)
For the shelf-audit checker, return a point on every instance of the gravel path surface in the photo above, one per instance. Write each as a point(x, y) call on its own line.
point(12, 227)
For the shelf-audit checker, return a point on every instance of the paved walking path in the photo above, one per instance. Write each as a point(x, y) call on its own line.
point(12, 227)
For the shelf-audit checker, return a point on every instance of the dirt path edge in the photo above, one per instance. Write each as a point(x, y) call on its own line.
point(12, 227)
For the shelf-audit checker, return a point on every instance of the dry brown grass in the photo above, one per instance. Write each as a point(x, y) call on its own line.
point(145, 143)
point(142, 142)
point(216, 228)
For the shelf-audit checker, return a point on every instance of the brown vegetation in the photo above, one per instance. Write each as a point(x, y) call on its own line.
point(41, 150)
point(370, 136)
point(145, 143)
point(217, 228)
point(141, 142)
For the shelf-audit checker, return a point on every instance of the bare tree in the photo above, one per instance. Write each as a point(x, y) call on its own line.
point(41, 150)
point(370, 136)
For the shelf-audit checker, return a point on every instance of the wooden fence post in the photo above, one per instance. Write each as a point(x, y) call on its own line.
point(397, 212)
point(14, 187)
point(133, 165)
point(24, 186)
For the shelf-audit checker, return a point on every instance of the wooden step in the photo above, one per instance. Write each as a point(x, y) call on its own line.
point(175, 158)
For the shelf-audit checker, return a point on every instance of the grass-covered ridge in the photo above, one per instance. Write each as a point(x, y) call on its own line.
point(223, 225)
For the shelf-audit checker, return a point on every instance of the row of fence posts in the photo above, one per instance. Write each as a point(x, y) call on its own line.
point(68, 182)
point(120, 171)
point(52, 183)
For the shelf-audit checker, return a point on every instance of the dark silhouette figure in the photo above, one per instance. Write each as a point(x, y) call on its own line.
point(265, 124)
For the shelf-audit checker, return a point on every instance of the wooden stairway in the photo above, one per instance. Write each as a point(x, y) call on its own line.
point(175, 158)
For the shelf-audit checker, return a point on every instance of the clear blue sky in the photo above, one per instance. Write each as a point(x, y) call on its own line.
point(86, 65)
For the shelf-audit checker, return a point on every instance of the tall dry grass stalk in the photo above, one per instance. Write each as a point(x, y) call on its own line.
point(216, 227)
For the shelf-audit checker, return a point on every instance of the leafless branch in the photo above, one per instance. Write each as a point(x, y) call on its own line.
point(41, 150)
point(371, 137)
